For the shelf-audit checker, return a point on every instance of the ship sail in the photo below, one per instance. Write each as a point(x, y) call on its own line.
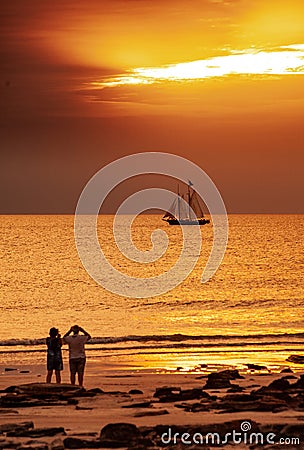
point(171, 212)
point(195, 205)
point(186, 211)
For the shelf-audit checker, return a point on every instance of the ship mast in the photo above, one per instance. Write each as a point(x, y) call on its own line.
point(178, 202)
point(189, 215)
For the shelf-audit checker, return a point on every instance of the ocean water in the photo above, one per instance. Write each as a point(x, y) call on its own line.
point(250, 311)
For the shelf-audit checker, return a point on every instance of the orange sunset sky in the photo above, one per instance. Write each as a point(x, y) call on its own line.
point(217, 81)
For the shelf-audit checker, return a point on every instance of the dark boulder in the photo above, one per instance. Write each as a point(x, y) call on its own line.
point(256, 367)
point(74, 442)
point(279, 385)
point(115, 435)
point(235, 388)
point(42, 394)
point(239, 397)
point(221, 380)
point(25, 401)
point(217, 380)
point(37, 432)
point(72, 401)
point(9, 389)
point(34, 389)
point(146, 404)
point(277, 388)
point(8, 411)
point(83, 408)
point(293, 430)
point(8, 443)
point(22, 426)
point(287, 370)
point(135, 392)
point(231, 374)
point(167, 395)
point(298, 359)
point(265, 404)
point(299, 384)
point(165, 391)
point(156, 412)
point(96, 391)
point(57, 444)
point(192, 407)
point(34, 445)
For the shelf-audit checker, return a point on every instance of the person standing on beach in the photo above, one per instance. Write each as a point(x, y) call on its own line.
point(54, 355)
point(77, 356)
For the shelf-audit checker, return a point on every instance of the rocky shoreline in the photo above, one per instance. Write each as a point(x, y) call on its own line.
point(25, 436)
point(220, 394)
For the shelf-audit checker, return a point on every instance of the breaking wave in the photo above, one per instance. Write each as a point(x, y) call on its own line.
point(181, 339)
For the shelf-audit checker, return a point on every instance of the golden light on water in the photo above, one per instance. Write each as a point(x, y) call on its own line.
point(285, 60)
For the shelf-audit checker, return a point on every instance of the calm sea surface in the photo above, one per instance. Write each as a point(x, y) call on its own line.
point(251, 310)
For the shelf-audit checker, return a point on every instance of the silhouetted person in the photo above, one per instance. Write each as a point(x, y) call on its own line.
point(77, 357)
point(54, 355)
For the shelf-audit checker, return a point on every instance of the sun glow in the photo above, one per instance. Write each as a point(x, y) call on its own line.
point(287, 60)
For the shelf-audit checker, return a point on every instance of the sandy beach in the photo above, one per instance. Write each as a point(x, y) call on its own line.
point(139, 398)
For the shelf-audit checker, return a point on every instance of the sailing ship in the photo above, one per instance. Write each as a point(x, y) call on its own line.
point(186, 211)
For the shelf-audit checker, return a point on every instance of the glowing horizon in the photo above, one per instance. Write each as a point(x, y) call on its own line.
point(285, 60)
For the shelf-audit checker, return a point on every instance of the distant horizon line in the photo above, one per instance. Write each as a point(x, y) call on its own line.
point(151, 214)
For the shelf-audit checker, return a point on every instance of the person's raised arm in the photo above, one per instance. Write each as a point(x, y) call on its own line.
point(68, 332)
point(85, 333)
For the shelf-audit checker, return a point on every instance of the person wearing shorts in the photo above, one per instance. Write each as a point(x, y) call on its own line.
point(77, 356)
point(54, 355)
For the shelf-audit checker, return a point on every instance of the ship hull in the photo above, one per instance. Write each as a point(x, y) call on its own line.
point(187, 222)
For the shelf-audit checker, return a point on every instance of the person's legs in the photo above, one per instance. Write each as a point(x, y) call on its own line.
point(49, 376)
point(80, 370)
point(80, 378)
point(58, 376)
point(73, 369)
point(73, 378)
